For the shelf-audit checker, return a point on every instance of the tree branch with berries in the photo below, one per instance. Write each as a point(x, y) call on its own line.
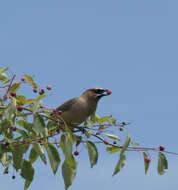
point(29, 131)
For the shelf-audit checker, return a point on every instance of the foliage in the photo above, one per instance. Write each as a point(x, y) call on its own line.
point(28, 132)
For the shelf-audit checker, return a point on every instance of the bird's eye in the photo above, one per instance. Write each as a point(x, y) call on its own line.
point(99, 91)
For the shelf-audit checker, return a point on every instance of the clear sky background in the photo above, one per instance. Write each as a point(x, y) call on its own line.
point(129, 46)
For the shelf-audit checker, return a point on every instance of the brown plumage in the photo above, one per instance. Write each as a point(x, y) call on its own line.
point(77, 110)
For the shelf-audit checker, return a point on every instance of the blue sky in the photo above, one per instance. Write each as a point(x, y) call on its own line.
point(128, 46)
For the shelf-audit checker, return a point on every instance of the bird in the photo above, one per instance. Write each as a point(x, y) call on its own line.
point(76, 110)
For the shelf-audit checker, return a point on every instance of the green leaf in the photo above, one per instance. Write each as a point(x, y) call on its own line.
point(53, 157)
point(103, 119)
point(92, 153)
point(25, 125)
point(4, 148)
point(27, 184)
point(31, 81)
point(126, 144)
point(112, 121)
point(111, 136)
point(120, 164)
point(38, 124)
point(113, 149)
point(41, 97)
point(20, 99)
point(2, 70)
point(33, 155)
point(31, 100)
point(134, 143)
point(90, 124)
point(27, 172)
point(162, 163)
point(10, 112)
point(68, 173)
point(17, 155)
point(14, 87)
point(146, 163)
point(37, 147)
point(3, 77)
point(5, 159)
point(66, 146)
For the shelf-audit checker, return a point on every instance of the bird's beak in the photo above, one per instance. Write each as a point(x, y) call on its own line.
point(106, 92)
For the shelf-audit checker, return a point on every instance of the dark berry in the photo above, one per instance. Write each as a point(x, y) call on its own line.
point(147, 159)
point(13, 177)
point(35, 90)
point(13, 94)
point(5, 97)
point(20, 108)
point(22, 79)
point(106, 142)
point(6, 143)
point(161, 148)
point(76, 153)
point(114, 142)
point(48, 87)
point(59, 111)
point(121, 129)
point(109, 92)
point(41, 91)
point(13, 128)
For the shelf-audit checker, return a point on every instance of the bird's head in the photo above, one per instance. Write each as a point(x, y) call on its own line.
point(96, 93)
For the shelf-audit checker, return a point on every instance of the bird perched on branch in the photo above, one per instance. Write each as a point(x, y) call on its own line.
point(76, 110)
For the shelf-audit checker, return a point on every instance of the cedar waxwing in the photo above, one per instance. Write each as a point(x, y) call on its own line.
point(77, 110)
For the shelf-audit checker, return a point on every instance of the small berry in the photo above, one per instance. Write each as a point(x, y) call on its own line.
point(19, 108)
point(6, 143)
point(6, 171)
point(76, 153)
point(114, 142)
point(48, 87)
point(121, 129)
point(147, 160)
point(22, 79)
point(13, 128)
point(109, 92)
point(123, 123)
point(161, 148)
point(5, 97)
point(41, 91)
point(106, 142)
point(57, 130)
point(13, 94)
point(13, 177)
point(59, 112)
point(35, 90)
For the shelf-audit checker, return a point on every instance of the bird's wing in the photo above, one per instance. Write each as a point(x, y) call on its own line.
point(67, 105)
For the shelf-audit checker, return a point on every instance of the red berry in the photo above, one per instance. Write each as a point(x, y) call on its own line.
point(13, 94)
point(35, 90)
point(41, 91)
point(5, 97)
point(59, 112)
point(13, 128)
point(76, 153)
point(22, 79)
point(48, 87)
point(106, 142)
point(147, 159)
point(109, 92)
point(20, 108)
point(161, 148)
point(7, 143)
point(121, 129)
